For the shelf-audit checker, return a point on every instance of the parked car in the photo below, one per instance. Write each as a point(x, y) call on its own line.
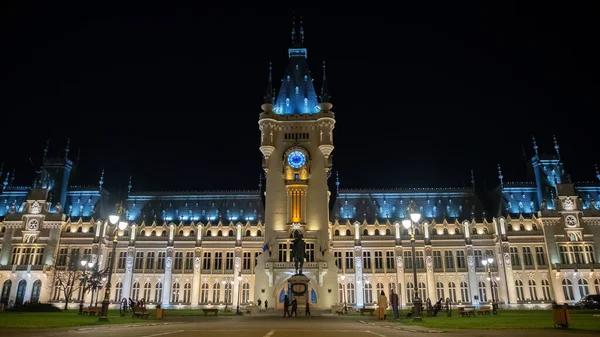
point(589, 302)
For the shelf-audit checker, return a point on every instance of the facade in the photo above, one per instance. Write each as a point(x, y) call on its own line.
point(221, 248)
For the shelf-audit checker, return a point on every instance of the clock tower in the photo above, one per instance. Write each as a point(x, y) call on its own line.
point(296, 140)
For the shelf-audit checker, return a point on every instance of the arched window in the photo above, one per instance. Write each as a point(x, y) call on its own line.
point(220, 233)
point(68, 230)
point(348, 232)
point(21, 292)
point(118, 292)
point(521, 227)
point(245, 293)
point(350, 291)
point(91, 229)
point(336, 232)
point(377, 232)
point(388, 232)
point(175, 293)
point(417, 232)
point(474, 231)
point(204, 293)
point(216, 292)
point(6, 291)
point(282, 296)
point(520, 293)
point(192, 233)
point(445, 231)
point(56, 291)
point(509, 228)
point(482, 291)
point(410, 292)
point(405, 231)
point(380, 288)
point(153, 233)
point(313, 296)
point(583, 287)
point(452, 292)
point(79, 229)
point(439, 287)
point(180, 233)
point(126, 233)
point(597, 285)
point(208, 233)
point(340, 293)
point(485, 230)
point(457, 231)
point(567, 286)
point(147, 291)
point(228, 293)
point(135, 293)
point(248, 232)
point(187, 293)
point(532, 290)
point(259, 233)
point(230, 232)
point(534, 227)
point(142, 233)
point(164, 233)
point(464, 292)
point(158, 293)
point(546, 290)
point(422, 290)
point(365, 232)
point(368, 293)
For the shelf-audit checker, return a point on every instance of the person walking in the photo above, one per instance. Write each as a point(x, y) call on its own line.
point(307, 312)
point(286, 306)
point(382, 304)
point(266, 304)
point(294, 308)
point(259, 302)
point(395, 300)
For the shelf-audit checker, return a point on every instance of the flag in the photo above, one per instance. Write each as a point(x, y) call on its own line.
point(266, 247)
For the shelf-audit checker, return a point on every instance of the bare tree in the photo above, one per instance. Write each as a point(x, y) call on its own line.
point(68, 277)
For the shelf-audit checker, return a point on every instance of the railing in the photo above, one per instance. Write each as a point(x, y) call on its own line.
point(560, 266)
point(77, 235)
point(219, 238)
point(343, 238)
point(482, 236)
point(525, 233)
point(378, 237)
point(290, 265)
point(185, 238)
point(447, 237)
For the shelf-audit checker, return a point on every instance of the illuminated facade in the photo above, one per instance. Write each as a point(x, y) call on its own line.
point(223, 248)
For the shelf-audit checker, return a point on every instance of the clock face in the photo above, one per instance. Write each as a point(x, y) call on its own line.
point(296, 159)
point(33, 224)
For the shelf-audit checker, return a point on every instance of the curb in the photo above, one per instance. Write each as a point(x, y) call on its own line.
point(120, 326)
point(403, 327)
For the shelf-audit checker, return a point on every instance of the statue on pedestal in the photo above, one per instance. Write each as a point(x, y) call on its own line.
point(299, 252)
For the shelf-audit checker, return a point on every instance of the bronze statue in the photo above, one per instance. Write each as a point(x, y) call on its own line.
point(298, 252)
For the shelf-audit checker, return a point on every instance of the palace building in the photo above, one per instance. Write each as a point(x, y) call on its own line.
point(217, 249)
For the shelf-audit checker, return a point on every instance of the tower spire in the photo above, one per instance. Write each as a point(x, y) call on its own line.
point(46, 149)
point(337, 183)
point(500, 176)
point(597, 171)
point(324, 92)
point(301, 31)
point(67, 148)
point(129, 186)
point(101, 182)
point(260, 182)
point(294, 28)
point(270, 92)
point(535, 147)
point(472, 179)
point(556, 147)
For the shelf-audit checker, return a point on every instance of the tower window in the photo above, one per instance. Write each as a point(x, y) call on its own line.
point(296, 176)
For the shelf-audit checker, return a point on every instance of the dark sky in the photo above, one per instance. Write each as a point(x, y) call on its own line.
point(421, 95)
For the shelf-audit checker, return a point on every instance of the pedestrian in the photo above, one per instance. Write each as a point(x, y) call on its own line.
point(307, 312)
point(382, 304)
point(294, 308)
point(266, 304)
point(286, 306)
point(259, 303)
point(395, 301)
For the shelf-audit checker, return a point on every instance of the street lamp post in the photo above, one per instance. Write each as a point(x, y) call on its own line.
point(343, 277)
point(114, 220)
point(487, 262)
point(237, 309)
point(85, 264)
point(411, 224)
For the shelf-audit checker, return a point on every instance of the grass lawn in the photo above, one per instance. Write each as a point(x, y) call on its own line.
point(70, 318)
point(508, 319)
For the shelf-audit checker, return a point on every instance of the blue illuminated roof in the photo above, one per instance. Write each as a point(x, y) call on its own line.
point(297, 94)
point(16, 195)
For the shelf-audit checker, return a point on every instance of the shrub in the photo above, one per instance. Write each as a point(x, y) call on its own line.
point(37, 307)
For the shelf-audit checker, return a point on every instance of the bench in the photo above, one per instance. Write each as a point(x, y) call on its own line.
point(484, 310)
point(466, 311)
point(92, 311)
point(206, 311)
point(369, 310)
point(140, 312)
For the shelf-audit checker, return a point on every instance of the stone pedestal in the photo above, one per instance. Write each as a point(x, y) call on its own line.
point(299, 286)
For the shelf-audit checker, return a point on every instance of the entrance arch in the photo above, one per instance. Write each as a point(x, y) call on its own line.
point(21, 292)
point(313, 292)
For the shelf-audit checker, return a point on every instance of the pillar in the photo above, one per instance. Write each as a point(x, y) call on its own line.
point(358, 274)
point(167, 277)
point(508, 274)
point(430, 277)
point(197, 278)
point(472, 275)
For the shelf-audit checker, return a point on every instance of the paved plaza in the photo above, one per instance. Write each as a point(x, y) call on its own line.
point(275, 326)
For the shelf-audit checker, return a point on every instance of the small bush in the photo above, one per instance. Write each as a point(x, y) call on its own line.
point(37, 307)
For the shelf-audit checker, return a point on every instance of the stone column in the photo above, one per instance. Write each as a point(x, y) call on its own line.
point(430, 277)
point(237, 271)
point(472, 275)
point(508, 274)
point(167, 277)
point(7, 246)
point(358, 274)
point(197, 278)
point(400, 274)
point(128, 272)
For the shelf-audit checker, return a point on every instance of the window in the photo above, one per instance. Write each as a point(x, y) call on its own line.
point(62, 257)
point(350, 294)
point(35, 291)
point(336, 232)
point(532, 291)
point(389, 260)
point(245, 293)
point(178, 263)
point(175, 293)
point(410, 292)
point(122, 260)
point(118, 292)
point(189, 261)
point(340, 293)
point(540, 257)
point(139, 261)
point(310, 252)
point(420, 261)
point(247, 261)
point(204, 293)
point(519, 286)
point(514, 257)
point(546, 290)
point(338, 260)
point(283, 250)
point(567, 286)
point(437, 259)
point(160, 263)
point(380, 288)
point(439, 287)
point(218, 261)
point(460, 259)
point(158, 293)
point(206, 261)
point(228, 293)
point(147, 291)
point(149, 264)
point(564, 254)
point(368, 293)
point(422, 290)
point(349, 261)
point(482, 292)
point(478, 257)
point(55, 294)
point(216, 292)
point(527, 257)
point(229, 261)
point(452, 291)
point(187, 293)
point(378, 259)
point(408, 261)
point(366, 260)
point(589, 254)
point(135, 292)
point(464, 292)
point(449, 260)
point(348, 232)
point(583, 287)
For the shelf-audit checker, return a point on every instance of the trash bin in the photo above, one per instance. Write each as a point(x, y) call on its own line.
point(160, 313)
point(561, 316)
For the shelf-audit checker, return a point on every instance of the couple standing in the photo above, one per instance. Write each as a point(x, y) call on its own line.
point(382, 304)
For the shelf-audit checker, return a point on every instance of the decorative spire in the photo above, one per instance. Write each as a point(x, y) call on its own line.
point(46, 149)
point(67, 149)
point(6, 180)
point(129, 186)
point(78, 157)
point(337, 182)
point(101, 182)
point(556, 147)
point(597, 171)
point(301, 31)
point(500, 176)
point(294, 28)
point(535, 147)
point(12, 178)
point(270, 91)
point(324, 92)
point(260, 182)
point(472, 179)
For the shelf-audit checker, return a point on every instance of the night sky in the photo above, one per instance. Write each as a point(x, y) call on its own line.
point(421, 95)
